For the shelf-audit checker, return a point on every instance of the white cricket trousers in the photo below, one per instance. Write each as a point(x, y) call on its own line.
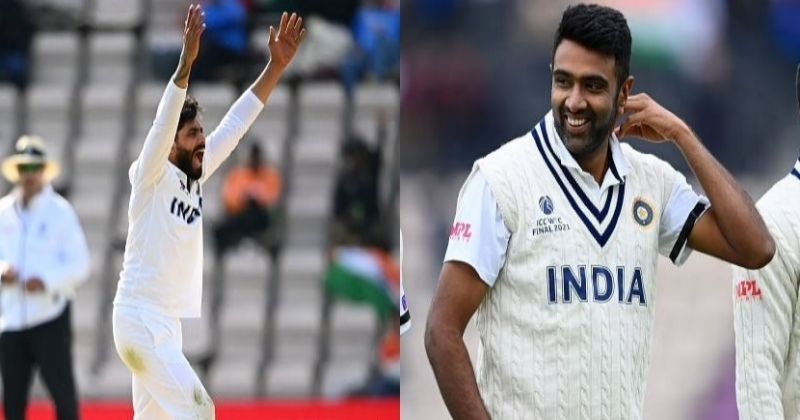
point(164, 384)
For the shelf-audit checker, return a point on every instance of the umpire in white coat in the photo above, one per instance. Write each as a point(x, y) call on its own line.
point(43, 258)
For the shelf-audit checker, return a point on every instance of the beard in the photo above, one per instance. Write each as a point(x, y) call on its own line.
point(598, 132)
point(184, 161)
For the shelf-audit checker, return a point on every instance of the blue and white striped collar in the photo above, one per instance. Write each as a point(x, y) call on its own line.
point(620, 163)
point(796, 169)
point(599, 217)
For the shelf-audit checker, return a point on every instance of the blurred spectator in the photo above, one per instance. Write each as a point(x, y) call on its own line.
point(251, 193)
point(356, 209)
point(43, 259)
point(376, 30)
point(225, 41)
point(324, 49)
point(328, 38)
point(16, 35)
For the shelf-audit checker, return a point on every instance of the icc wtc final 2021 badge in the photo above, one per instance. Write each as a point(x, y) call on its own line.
point(546, 204)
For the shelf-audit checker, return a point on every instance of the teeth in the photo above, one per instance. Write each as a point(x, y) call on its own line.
point(576, 121)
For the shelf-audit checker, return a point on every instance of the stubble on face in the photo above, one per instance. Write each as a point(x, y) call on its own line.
point(583, 98)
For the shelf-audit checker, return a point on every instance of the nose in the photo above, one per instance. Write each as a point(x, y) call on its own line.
point(575, 101)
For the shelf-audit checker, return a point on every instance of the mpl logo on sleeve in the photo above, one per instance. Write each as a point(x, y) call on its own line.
point(748, 290)
point(461, 232)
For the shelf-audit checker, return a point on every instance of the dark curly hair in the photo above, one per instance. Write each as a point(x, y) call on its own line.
point(189, 111)
point(601, 29)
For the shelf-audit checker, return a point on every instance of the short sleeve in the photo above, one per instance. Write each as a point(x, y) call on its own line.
point(682, 210)
point(405, 314)
point(479, 236)
point(763, 309)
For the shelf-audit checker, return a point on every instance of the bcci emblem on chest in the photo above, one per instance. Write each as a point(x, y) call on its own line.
point(642, 212)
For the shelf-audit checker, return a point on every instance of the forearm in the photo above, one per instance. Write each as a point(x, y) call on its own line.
point(453, 370)
point(266, 82)
point(736, 214)
point(226, 136)
point(181, 76)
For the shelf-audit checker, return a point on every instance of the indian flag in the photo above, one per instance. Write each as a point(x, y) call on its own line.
point(365, 275)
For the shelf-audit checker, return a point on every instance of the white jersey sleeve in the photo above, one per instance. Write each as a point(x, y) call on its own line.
point(221, 142)
point(73, 254)
point(405, 314)
point(149, 167)
point(764, 314)
point(479, 236)
point(682, 210)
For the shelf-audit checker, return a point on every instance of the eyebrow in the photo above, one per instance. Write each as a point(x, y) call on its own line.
point(590, 78)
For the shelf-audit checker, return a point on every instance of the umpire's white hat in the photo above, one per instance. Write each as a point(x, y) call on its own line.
point(29, 150)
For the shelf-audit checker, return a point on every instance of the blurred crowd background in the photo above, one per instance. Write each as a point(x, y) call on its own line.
point(301, 275)
point(476, 74)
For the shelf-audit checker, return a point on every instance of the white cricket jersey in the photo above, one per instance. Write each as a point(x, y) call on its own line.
point(162, 270)
point(44, 240)
point(565, 328)
point(767, 315)
point(405, 315)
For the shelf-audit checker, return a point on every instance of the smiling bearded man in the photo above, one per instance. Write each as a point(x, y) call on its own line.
point(556, 238)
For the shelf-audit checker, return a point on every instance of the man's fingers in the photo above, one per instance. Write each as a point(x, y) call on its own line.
point(191, 18)
point(638, 97)
point(632, 127)
point(187, 22)
point(196, 23)
point(628, 130)
point(192, 15)
point(200, 25)
point(282, 25)
point(290, 24)
point(302, 36)
point(272, 35)
point(298, 26)
point(197, 19)
point(620, 131)
point(633, 105)
point(189, 14)
point(638, 102)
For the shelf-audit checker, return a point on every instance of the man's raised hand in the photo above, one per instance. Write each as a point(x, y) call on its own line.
point(193, 28)
point(649, 121)
point(284, 42)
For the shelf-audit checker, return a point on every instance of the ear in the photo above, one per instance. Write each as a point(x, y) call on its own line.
point(624, 92)
point(173, 148)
